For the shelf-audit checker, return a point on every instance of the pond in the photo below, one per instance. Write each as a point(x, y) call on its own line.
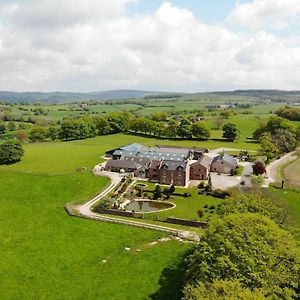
point(149, 206)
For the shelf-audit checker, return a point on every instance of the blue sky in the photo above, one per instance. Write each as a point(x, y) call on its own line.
point(209, 11)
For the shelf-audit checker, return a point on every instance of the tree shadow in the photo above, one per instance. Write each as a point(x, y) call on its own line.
point(172, 280)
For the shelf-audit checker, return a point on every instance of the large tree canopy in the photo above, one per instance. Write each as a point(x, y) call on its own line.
point(221, 290)
point(250, 248)
point(230, 131)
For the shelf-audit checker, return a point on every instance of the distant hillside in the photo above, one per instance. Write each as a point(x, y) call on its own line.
point(72, 97)
point(258, 93)
point(59, 97)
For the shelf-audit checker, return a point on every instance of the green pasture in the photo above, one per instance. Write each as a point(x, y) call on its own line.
point(46, 254)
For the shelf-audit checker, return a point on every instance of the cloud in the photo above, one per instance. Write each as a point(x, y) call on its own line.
point(95, 45)
point(261, 13)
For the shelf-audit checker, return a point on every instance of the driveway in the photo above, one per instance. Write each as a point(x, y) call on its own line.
point(273, 168)
point(224, 181)
point(115, 178)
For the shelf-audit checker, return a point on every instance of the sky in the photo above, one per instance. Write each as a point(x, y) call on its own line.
point(184, 46)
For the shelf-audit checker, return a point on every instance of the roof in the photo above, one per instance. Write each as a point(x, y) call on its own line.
point(173, 165)
point(155, 164)
point(139, 160)
point(122, 164)
point(225, 157)
point(125, 153)
point(131, 147)
point(204, 161)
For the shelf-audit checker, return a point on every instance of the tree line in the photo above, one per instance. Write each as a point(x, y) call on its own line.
point(159, 125)
point(276, 137)
point(290, 113)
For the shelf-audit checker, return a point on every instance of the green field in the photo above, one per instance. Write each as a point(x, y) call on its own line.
point(45, 254)
point(291, 172)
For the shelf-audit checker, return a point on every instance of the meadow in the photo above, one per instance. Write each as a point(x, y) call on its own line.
point(45, 254)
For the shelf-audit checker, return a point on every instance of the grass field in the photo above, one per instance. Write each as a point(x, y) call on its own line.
point(45, 254)
point(291, 173)
point(292, 197)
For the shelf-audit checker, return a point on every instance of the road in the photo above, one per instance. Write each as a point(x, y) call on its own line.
point(273, 168)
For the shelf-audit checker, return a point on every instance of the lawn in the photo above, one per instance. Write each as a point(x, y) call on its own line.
point(45, 254)
point(186, 208)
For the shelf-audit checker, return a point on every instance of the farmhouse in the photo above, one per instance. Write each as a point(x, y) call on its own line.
point(168, 164)
point(201, 168)
point(173, 172)
point(223, 163)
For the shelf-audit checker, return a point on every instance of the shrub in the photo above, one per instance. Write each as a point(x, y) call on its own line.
point(220, 194)
point(201, 185)
point(11, 152)
point(200, 213)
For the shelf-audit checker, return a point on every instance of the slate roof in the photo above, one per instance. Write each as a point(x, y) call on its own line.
point(122, 164)
point(132, 153)
point(173, 165)
point(139, 160)
point(225, 157)
point(131, 147)
point(204, 161)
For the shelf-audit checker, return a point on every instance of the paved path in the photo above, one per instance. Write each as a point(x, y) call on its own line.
point(115, 178)
point(273, 168)
point(84, 210)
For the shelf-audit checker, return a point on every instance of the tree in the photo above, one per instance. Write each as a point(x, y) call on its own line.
point(267, 146)
point(185, 129)
point(38, 134)
point(298, 134)
point(290, 113)
point(157, 192)
point(3, 127)
point(77, 129)
point(259, 167)
point(256, 202)
point(11, 152)
point(11, 126)
point(221, 290)
point(119, 122)
point(219, 121)
point(52, 133)
point(276, 123)
point(172, 189)
point(285, 140)
point(250, 248)
point(172, 128)
point(102, 125)
point(257, 180)
point(200, 130)
point(230, 131)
